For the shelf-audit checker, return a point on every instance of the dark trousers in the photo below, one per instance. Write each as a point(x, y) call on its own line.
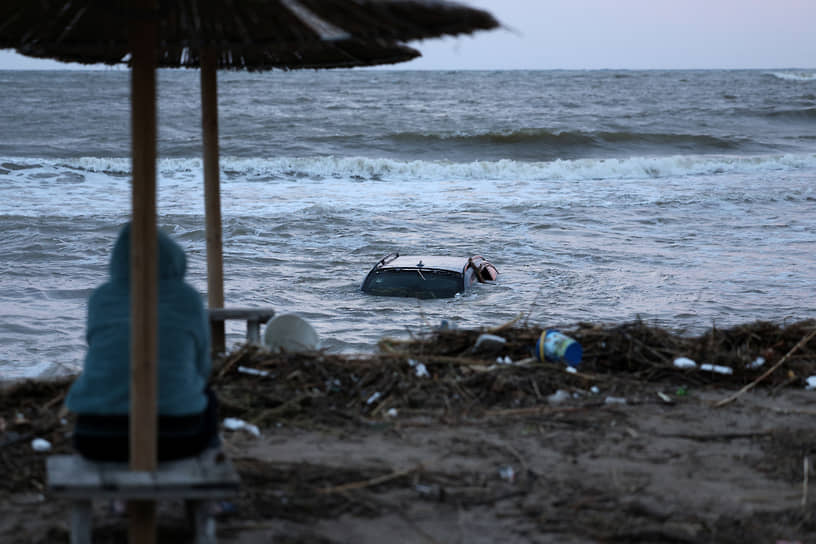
point(106, 438)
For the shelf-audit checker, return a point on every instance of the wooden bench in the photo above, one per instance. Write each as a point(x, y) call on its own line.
point(254, 318)
point(196, 480)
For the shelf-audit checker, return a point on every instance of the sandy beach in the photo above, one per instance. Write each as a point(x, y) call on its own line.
point(482, 452)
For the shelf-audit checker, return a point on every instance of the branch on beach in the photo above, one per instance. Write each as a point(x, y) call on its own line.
point(768, 372)
point(370, 482)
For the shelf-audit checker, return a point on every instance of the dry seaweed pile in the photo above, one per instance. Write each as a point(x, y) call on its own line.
point(437, 378)
point(644, 351)
point(441, 376)
point(30, 409)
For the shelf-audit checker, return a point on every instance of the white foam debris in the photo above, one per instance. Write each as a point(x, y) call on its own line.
point(507, 473)
point(571, 369)
point(665, 398)
point(757, 363)
point(684, 362)
point(373, 398)
point(392, 412)
point(811, 383)
point(40, 444)
point(719, 369)
point(252, 371)
point(558, 397)
point(506, 360)
point(489, 343)
point(235, 424)
point(421, 371)
point(595, 389)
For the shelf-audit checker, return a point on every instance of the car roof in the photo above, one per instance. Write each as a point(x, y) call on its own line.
point(454, 264)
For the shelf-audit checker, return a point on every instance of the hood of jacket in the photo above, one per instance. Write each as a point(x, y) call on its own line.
point(172, 261)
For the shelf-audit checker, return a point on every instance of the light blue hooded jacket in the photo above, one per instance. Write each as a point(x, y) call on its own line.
point(103, 388)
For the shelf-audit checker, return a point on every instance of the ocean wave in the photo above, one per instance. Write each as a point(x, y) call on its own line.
point(795, 76)
point(318, 169)
point(367, 169)
point(793, 114)
point(571, 138)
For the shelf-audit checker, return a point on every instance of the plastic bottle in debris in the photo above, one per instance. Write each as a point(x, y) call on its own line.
point(555, 346)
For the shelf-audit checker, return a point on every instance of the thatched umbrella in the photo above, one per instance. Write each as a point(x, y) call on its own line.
point(249, 34)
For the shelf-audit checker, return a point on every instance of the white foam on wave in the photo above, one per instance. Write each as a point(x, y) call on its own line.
point(118, 165)
point(320, 168)
point(570, 170)
point(380, 169)
point(795, 76)
point(101, 185)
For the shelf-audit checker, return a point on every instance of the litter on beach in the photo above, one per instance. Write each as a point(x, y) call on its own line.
point(684, 362)
point(252, 371)
point(757, 363)
point(507, 473)
point(235, 424)
point(665, 398)
point(421, 370)
point(719, 369)
point(489, 343)
point(558, 397)
point(40, 444)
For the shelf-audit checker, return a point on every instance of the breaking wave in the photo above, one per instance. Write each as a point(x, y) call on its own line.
point(387, 170)
point(795, 76)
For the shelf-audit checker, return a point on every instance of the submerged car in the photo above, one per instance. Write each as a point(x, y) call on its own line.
point(427, 276)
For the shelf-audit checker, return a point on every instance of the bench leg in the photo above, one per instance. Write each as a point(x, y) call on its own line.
point(202, 522)
point(81, 522)
point(253, 331)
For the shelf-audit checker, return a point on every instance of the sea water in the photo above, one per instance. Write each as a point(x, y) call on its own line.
point(682, 198)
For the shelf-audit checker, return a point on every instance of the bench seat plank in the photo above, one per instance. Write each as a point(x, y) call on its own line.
point(72, 476)
point(254, 317)
point(251, 314)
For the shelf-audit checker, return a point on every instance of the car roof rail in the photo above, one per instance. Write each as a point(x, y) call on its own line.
point(388, 258)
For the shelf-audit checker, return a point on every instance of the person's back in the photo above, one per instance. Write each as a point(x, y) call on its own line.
point(101, 394)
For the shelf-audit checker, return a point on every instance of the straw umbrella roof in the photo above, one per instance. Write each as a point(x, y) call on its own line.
point(346, 53)
point(250, 34)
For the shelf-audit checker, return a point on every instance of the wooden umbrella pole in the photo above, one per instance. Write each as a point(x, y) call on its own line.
point(144, 289)
point(212, 193)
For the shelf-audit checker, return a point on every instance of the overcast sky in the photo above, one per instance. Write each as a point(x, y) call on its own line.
point(631, 34)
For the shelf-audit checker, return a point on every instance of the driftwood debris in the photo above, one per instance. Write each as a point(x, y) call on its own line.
point(334, 391)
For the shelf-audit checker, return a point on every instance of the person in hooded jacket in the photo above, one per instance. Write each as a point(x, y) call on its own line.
point(100, 396)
